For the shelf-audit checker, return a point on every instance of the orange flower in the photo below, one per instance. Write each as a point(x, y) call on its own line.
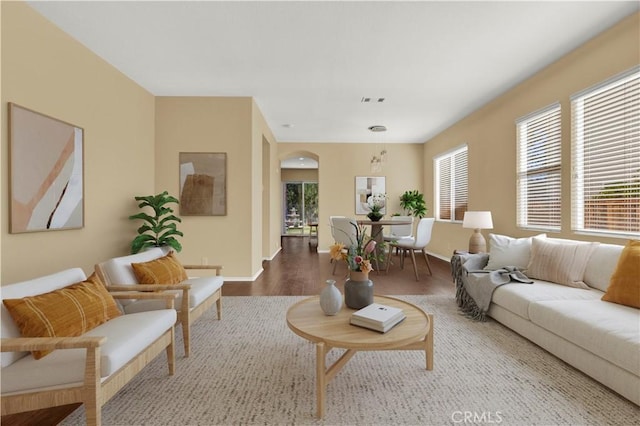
point(335, 251)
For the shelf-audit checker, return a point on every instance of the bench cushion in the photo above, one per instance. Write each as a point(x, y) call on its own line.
point(605, 329)
point(66, 312)
point(201, 289)
point(127, 336)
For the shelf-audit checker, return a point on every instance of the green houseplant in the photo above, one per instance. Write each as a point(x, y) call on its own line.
point(159, 229)
point(413, 203)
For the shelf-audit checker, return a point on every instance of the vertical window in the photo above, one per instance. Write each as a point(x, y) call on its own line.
point(606, 157)
point(451, 185)
point(538, 168)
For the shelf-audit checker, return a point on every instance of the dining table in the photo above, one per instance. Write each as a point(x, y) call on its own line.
point(377, 228)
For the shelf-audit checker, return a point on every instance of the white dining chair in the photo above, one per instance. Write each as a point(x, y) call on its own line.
point(421, 240)
point(333, 232)
point(400, 232)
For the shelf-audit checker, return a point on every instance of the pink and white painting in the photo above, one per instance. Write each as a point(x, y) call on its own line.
point(47, 188)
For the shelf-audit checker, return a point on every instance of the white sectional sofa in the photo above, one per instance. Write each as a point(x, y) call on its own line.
point(89, 368)
point(599, 338)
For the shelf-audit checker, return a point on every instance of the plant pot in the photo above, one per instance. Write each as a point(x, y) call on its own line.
point(374, 217)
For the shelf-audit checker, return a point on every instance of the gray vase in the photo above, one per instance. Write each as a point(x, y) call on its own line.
point(358, 290)
point(330, 298)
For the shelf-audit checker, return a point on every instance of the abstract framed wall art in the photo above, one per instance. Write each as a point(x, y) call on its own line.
point(366, 187)
point(203, 183)
point(46, 172)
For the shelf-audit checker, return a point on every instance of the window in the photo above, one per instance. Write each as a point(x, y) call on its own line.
point(538, 168)
point(451, 185)
point(606, 157)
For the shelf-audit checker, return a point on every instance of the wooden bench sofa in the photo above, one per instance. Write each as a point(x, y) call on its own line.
point(89, 368)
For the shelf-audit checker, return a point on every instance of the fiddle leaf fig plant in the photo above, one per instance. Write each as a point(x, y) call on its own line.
point(159, 229)
point(413, 203)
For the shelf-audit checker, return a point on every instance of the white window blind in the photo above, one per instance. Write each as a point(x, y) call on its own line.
point(451, 178)
point(538, 168)
point(606, 157)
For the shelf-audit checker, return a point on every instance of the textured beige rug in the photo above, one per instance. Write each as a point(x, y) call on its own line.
point(250, 368)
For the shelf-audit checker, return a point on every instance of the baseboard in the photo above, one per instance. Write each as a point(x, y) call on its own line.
point(245, 279)
point(269, 259)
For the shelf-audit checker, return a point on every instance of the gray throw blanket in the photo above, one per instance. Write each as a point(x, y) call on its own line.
point(475, 286)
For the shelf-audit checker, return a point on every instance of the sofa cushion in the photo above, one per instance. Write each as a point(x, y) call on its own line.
point(517, 297)
point(66, 312)
point(33, 287)
point(118, 270)
point(201, 288)
point(127, 336)
point(164, 270)
point(609, 331)
point(625, 281)
point(601, 266)
point(561, 262)
point(508, 251)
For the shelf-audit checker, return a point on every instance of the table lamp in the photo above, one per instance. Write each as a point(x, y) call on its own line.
point(477, 221)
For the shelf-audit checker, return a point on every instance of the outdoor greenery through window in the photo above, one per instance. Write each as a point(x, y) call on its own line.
point(606, 157)
point(451, 177)
point(301, 207)
point(538, 168)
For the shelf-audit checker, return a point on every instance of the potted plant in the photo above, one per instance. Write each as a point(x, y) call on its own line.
point(375, 203)
point(413, 203)
point(160, 229)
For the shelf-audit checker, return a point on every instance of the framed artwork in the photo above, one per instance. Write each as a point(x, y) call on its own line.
point(46, 172)
point(203, 183)
point(366, 187)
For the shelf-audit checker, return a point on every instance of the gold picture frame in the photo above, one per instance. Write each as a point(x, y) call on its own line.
point(203, 183)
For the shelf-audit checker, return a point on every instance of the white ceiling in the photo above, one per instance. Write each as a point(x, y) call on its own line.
point(308, 64)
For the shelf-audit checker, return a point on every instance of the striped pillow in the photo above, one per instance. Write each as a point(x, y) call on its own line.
point(560, 262)
point(164, 270)
point(67, 312)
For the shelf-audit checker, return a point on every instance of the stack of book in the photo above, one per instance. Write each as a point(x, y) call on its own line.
point(378, 317)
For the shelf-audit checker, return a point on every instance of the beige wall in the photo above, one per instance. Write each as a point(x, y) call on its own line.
point(491, 134)
point(299, 175)
point(46, 70)
point(214, 124)
point(340, 163)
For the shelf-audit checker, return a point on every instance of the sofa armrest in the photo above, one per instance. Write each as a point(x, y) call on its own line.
point(147, 287)
point(168, 297)
point(23, 344)
point(218, 268)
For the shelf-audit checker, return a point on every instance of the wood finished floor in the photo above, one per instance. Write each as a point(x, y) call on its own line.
point(298, 270)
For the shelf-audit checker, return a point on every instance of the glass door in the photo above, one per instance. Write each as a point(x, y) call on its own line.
point(300, 207)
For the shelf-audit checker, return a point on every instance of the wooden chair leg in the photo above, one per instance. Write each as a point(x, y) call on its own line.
point(333, 272)
point(389, 258)
point(171, 353)
point(413, 260)
point(426, 259)
point(186, 335)
point(219, 306)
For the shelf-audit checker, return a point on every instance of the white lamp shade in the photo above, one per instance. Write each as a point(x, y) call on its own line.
point(477, 220)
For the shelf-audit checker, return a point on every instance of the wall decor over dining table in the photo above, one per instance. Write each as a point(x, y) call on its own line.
point(203, 183)
point(46, 172)
point(366, 187)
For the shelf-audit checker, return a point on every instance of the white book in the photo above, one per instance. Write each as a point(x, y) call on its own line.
point(377, 327)
point(377, 316)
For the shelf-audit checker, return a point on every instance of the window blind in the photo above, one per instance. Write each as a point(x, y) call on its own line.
point(538, 166)
point(451, 179)
point(606, 157)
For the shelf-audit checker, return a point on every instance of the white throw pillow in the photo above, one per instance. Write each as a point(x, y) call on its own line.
point(508, 251)
point(560, 262)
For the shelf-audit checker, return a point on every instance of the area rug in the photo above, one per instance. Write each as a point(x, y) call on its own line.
point(249, 368)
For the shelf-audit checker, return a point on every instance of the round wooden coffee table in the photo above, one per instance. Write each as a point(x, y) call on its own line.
point(307, 320)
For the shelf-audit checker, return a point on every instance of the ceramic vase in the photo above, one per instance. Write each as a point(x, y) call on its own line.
point(330, 299)
point(358, 290)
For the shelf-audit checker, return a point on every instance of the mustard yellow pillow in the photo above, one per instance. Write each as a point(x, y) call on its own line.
point(624, 286)
point(67, 312)
point(164, 270)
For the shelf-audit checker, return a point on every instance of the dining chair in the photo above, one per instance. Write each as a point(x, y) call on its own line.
point(421, 240)
point(400, 232)
point(344, 232)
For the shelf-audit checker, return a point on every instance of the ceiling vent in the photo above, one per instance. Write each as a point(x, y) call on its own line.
point(378, 128)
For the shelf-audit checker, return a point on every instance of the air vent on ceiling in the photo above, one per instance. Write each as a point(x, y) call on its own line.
point(368, 100)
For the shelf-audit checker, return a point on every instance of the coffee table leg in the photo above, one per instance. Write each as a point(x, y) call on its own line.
point(429, 344)
point(321, 386)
